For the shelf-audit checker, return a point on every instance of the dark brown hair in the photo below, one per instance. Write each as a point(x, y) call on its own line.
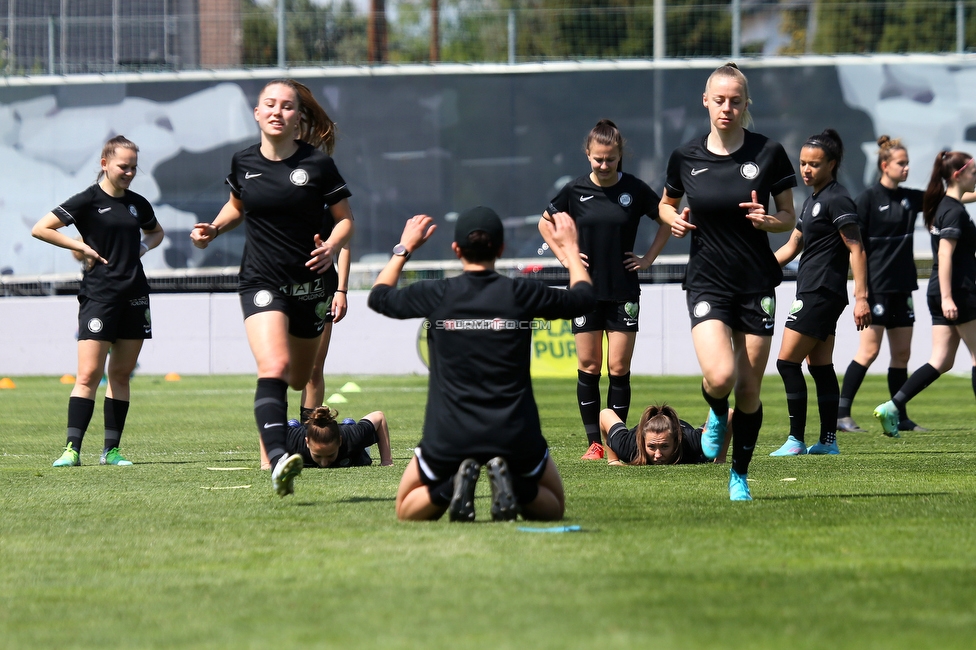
point(658, 419)
point(316, 127)
point(947, 163)
point(321, 426)
point(479, 248)
point(830, 143)
point(606, 133)
point(118, 142)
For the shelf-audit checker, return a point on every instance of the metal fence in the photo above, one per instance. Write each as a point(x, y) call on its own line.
point(79, 36)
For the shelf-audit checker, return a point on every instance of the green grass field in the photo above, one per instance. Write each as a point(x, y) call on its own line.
point(875, 548)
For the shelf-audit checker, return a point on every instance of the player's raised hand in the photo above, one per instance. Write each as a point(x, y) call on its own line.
point(682, 225)
point(417, 231)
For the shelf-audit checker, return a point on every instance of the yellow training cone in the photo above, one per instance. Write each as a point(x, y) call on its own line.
point(67, 379)
point(172, 376)
point(336, 399)
point(350, 387)
point(7, 382)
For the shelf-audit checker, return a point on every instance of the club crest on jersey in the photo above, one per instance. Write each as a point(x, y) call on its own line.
point(298, 177)
point(816, 209)
point(906, 204)
point(262, 298)
point(95, 325)
point(878, 310)
point(133, 211)
point(702, 308)
point(580, 321)
point(625, 200)
point(749, 170)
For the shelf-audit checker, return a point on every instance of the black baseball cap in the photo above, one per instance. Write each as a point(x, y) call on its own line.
point(479, 218)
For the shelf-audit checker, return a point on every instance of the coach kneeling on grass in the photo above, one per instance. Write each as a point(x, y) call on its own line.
point(480, 406)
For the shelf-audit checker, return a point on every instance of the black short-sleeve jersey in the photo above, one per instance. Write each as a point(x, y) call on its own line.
point(479, 396)
point(825, 258)
point(355, 438)
point(113, 227)
point(887, 221)
point(727, 252)
point(607, 219)
point(953, 222)
point(285, 205)
point(691, 448)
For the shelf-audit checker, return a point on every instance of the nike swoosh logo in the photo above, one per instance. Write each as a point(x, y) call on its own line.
point(103, 210)
point(587, 403)
point(250, 175)
point(584, 199)
point(882, 208)
point(273, 424)
point(768, 326)
point(749, 448)
point(695, 172)
point(619, 406)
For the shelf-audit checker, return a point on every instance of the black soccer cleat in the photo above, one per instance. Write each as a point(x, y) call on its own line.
point(504, 507)
point(462, 501)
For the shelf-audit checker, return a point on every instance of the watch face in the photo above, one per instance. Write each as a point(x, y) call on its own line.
point(400, 249)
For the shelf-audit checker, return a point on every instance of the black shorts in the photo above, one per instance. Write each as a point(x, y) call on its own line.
point(892, 310)
point(110, 321)
point(526, 473)
point(815, 313)
point(306, 306)
point(965, 304)
point(609, 315)
point(623, 442)
point(749, 313)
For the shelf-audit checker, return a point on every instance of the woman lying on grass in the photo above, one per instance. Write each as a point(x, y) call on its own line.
point(660, 438)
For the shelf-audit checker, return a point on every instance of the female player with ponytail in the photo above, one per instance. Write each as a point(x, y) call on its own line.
point(728, 177)
point(828, 235)
point(607, 205)
point(294, 203)
point(952, 287)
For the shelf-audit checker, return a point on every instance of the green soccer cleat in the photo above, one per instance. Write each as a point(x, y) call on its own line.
point(283, 476)
point(113, 457)
point(887, 415)
point(69, 458)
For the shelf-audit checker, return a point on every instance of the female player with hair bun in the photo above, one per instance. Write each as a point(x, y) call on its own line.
point(322, 442)
point(886, 214)
point(952, 287)
point(288, 192)
point(659, 438)
point(607, 205)
point(728, 177)
point(117, 228)
point(828, 235)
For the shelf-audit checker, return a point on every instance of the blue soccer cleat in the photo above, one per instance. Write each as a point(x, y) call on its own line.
point(713, 434)
point(738, 487)
point(792, 447)
point(821, 449)
point(887, 415)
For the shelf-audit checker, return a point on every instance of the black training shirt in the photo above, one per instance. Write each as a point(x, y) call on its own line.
point(285, 205)
point(887, 221)
point(825, 258)
point(607, 219)
point(727, 252)
point(479, 397)
point(953, 222)
point(113, 228)
point(355, 438)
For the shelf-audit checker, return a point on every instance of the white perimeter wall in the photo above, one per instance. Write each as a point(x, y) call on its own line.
point(198, 334)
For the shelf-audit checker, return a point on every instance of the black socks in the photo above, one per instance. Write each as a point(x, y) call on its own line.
point(796, 396)
point(80, 412)
point(918, 382)
point(719, 405)
point(745, 433)
point(827, 400)
point(618, 396)
point(853, 378)
point(588, 397)
point(896, 379)
point(270, 414)
point(115, 412)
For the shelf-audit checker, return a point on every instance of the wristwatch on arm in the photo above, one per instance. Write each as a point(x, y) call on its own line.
point(401, 251)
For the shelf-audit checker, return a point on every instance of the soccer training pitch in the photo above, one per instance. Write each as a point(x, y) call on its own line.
point(875, 548)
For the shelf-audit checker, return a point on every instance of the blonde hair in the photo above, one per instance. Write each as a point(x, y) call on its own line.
point(316, 127)
point(731, 71)
point(887, 146)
